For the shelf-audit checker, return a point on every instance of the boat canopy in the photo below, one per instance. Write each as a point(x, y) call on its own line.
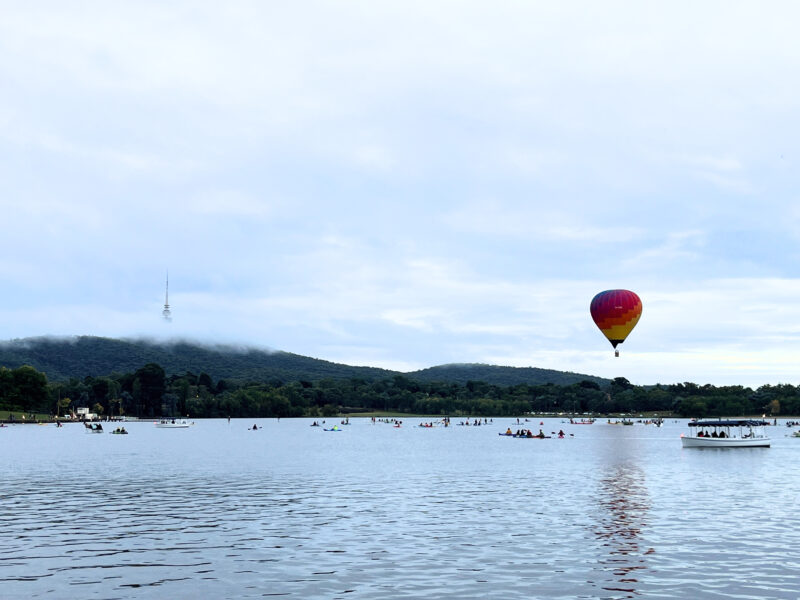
point(729, 423)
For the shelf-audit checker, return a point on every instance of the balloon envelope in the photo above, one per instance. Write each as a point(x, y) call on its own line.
point(616, 313)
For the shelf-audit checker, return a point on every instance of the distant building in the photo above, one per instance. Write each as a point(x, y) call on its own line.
point(84, 414)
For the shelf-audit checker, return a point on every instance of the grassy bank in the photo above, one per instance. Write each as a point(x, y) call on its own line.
point(20, 417)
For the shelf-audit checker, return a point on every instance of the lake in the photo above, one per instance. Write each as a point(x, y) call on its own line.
point(373, 511)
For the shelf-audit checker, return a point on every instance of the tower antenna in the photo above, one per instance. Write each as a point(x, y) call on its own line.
point(166, 312)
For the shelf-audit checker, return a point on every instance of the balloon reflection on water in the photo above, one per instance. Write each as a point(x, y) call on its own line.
point(624, 504)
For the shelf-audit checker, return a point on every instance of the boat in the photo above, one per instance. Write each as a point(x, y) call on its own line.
point(172, 424)
point(119, 431)
point(334, 428)
point(726, 433)
point(96, 428)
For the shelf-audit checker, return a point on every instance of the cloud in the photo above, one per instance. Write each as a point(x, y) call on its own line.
point(232, 203)
point(542, 223)
point(405, 182)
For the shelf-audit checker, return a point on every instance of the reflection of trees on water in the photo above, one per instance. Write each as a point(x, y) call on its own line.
point(623, 504)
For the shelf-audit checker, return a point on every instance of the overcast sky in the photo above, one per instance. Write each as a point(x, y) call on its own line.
point(405, 184)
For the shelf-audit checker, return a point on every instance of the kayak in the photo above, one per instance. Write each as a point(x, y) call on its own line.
point(506, 434)
point(333, 429)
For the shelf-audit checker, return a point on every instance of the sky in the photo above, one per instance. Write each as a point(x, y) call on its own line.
point(403, 184)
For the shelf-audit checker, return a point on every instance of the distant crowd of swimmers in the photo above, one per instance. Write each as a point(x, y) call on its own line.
point(476, 422)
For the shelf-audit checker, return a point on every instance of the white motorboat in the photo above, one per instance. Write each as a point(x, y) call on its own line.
point(172, 423)
point(726, 433)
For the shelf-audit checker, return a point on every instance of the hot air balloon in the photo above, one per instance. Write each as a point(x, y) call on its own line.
point(616, 313)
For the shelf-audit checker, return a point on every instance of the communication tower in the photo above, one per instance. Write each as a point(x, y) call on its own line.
point(166, 312)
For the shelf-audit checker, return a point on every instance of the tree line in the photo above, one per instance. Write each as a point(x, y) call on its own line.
point(149, 392)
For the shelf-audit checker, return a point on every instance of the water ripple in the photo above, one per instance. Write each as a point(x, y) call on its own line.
point(378, 513)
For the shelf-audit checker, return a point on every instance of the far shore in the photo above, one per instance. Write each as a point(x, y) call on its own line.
point(18, 418)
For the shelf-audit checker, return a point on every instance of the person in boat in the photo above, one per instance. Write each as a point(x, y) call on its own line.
point(529, 434)
point(722, 434)
point(255, 427)
point(701, 434)
point(560, 433)
point(508, 431)
point(714, 434)
point(540, 435)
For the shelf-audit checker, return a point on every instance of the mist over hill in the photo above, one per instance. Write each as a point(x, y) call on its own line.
point(63, 358)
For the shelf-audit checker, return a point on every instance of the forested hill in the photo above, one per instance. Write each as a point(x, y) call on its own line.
point(62, 358)
point(462, 373)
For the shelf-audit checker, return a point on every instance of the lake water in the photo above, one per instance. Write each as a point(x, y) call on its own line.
point(217, 511)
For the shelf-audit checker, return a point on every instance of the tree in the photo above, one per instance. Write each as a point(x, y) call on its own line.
point(774, 407)
point(127, 403)
point(205, 379)
point(620, 384)
point(62, 404)
point(170, 403)
point(30, 388)
point(152, 383)
point(329, 410)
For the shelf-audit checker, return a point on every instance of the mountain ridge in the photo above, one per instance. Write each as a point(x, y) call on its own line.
point(61, 358)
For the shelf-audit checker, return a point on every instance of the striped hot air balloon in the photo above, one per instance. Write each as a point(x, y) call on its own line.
point(616, 313)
